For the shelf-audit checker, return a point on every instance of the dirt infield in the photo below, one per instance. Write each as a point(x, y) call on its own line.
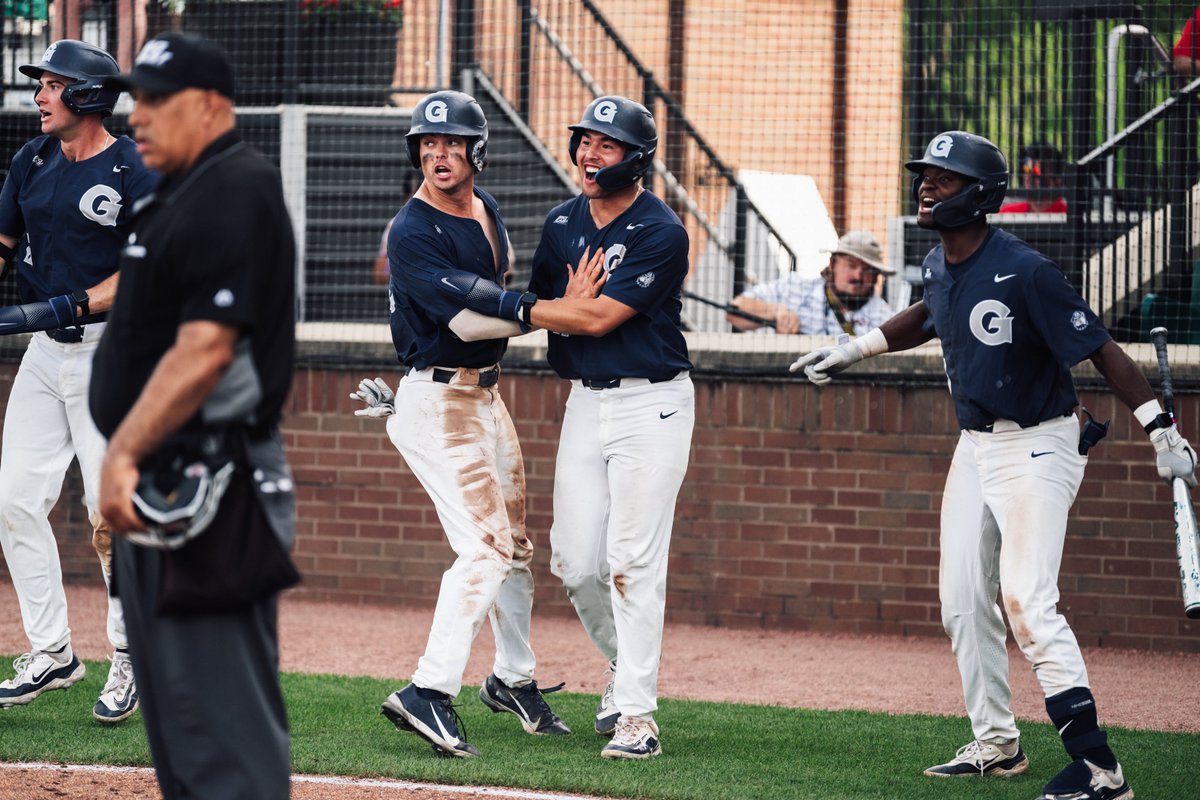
point(1155, 691)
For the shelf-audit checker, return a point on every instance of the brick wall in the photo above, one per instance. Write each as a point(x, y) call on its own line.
point(803, 509)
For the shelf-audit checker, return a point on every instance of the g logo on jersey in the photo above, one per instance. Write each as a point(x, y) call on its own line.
point(101, 204)
point(991, 323)
point(606, 111)
point(941, 146)
point(613, 257)
point(436, 111)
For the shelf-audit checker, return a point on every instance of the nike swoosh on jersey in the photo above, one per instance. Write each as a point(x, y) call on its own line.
point(661, 415)
point(451, 285)
point(638, 225)
point(120, 167)
point(1002, 278)
point(1035, 454)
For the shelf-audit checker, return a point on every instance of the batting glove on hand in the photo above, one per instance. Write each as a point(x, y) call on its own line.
point(1175, 457)
point(823, 363)
point(377, 396)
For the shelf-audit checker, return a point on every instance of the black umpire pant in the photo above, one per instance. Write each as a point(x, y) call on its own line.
point(209, 690)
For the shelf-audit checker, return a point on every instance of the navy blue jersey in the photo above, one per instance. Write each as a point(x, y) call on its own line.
point(646, 257)
point(422, 242)
point(70, 217)
point(1011, 328)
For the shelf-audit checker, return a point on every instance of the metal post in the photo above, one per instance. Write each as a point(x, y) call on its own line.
point(462, 58)
point(291, 48)
point(525, 50)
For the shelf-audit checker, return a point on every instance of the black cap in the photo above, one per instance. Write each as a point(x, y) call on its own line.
point(171, 62)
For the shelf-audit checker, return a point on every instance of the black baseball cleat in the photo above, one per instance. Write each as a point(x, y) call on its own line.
point(431, 715)
point(527, 703)
point(1083, 780)
point(979, 759)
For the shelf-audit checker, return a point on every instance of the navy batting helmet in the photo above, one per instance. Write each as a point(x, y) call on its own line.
point(88, 65)
point(629, 123)
point(973, 157)
point(454, 113)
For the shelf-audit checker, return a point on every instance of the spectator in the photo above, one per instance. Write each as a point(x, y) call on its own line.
point(1186, 52)
point(843, 299)
point(1041, 181)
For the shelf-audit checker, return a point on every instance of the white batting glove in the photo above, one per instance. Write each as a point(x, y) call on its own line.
point(1175, 457)
point(377, 396)
point(823, 363)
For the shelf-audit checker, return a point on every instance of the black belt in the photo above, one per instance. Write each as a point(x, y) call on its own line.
point(66, 335)
point(615, 383)
point(488, 377)
point(988, 428)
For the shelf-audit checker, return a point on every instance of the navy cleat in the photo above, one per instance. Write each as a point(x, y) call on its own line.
point(635, 737)
point(1083, 780)
point(977, 759)
point(527, 703)
point(40, 671)
point(606, 710)
point(119, 698)
point(431, 715)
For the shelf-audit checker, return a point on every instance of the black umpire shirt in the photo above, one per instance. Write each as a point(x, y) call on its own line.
point(214, 243)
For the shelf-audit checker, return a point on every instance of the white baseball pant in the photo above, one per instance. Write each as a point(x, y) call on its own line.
point(1003, 524)
point(460, 443)
point(622, 456)
point(46, 425)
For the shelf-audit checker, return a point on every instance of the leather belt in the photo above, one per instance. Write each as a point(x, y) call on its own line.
point(66, 335)
point(1009, 425)
point(468, 377)
point(617, 383)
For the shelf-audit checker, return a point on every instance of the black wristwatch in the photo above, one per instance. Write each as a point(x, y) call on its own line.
point(1163, 420)
point(527, 301)
point(80, 297)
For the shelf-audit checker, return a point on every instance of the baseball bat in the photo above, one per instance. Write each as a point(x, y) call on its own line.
point(1187, 540)
point(729, 308)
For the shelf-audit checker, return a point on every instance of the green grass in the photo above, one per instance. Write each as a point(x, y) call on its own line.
point(711, 750)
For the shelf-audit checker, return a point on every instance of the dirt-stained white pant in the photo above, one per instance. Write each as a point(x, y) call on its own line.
point(46, 425)
point(622, 456)
point(1004, 521)
point(460, 443)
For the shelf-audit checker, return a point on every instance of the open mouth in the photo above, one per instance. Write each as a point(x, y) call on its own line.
point(590, 172)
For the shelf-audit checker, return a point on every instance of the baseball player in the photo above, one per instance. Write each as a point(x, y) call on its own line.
point(64, 210)
point(455, 433)
point(627, 430)
point(841, 300)
point(1011, 326)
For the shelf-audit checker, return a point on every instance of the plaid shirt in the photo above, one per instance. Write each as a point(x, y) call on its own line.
point(806, 298)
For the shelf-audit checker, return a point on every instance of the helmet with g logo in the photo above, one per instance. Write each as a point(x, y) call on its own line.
point(971, 156)
point(629, 123)
point(449, 112)
point(87, 66)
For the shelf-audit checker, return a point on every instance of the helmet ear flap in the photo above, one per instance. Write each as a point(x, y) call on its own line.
point(573, 145)
point(479, 154)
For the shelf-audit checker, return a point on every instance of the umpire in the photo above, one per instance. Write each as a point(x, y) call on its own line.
point(207, 304)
